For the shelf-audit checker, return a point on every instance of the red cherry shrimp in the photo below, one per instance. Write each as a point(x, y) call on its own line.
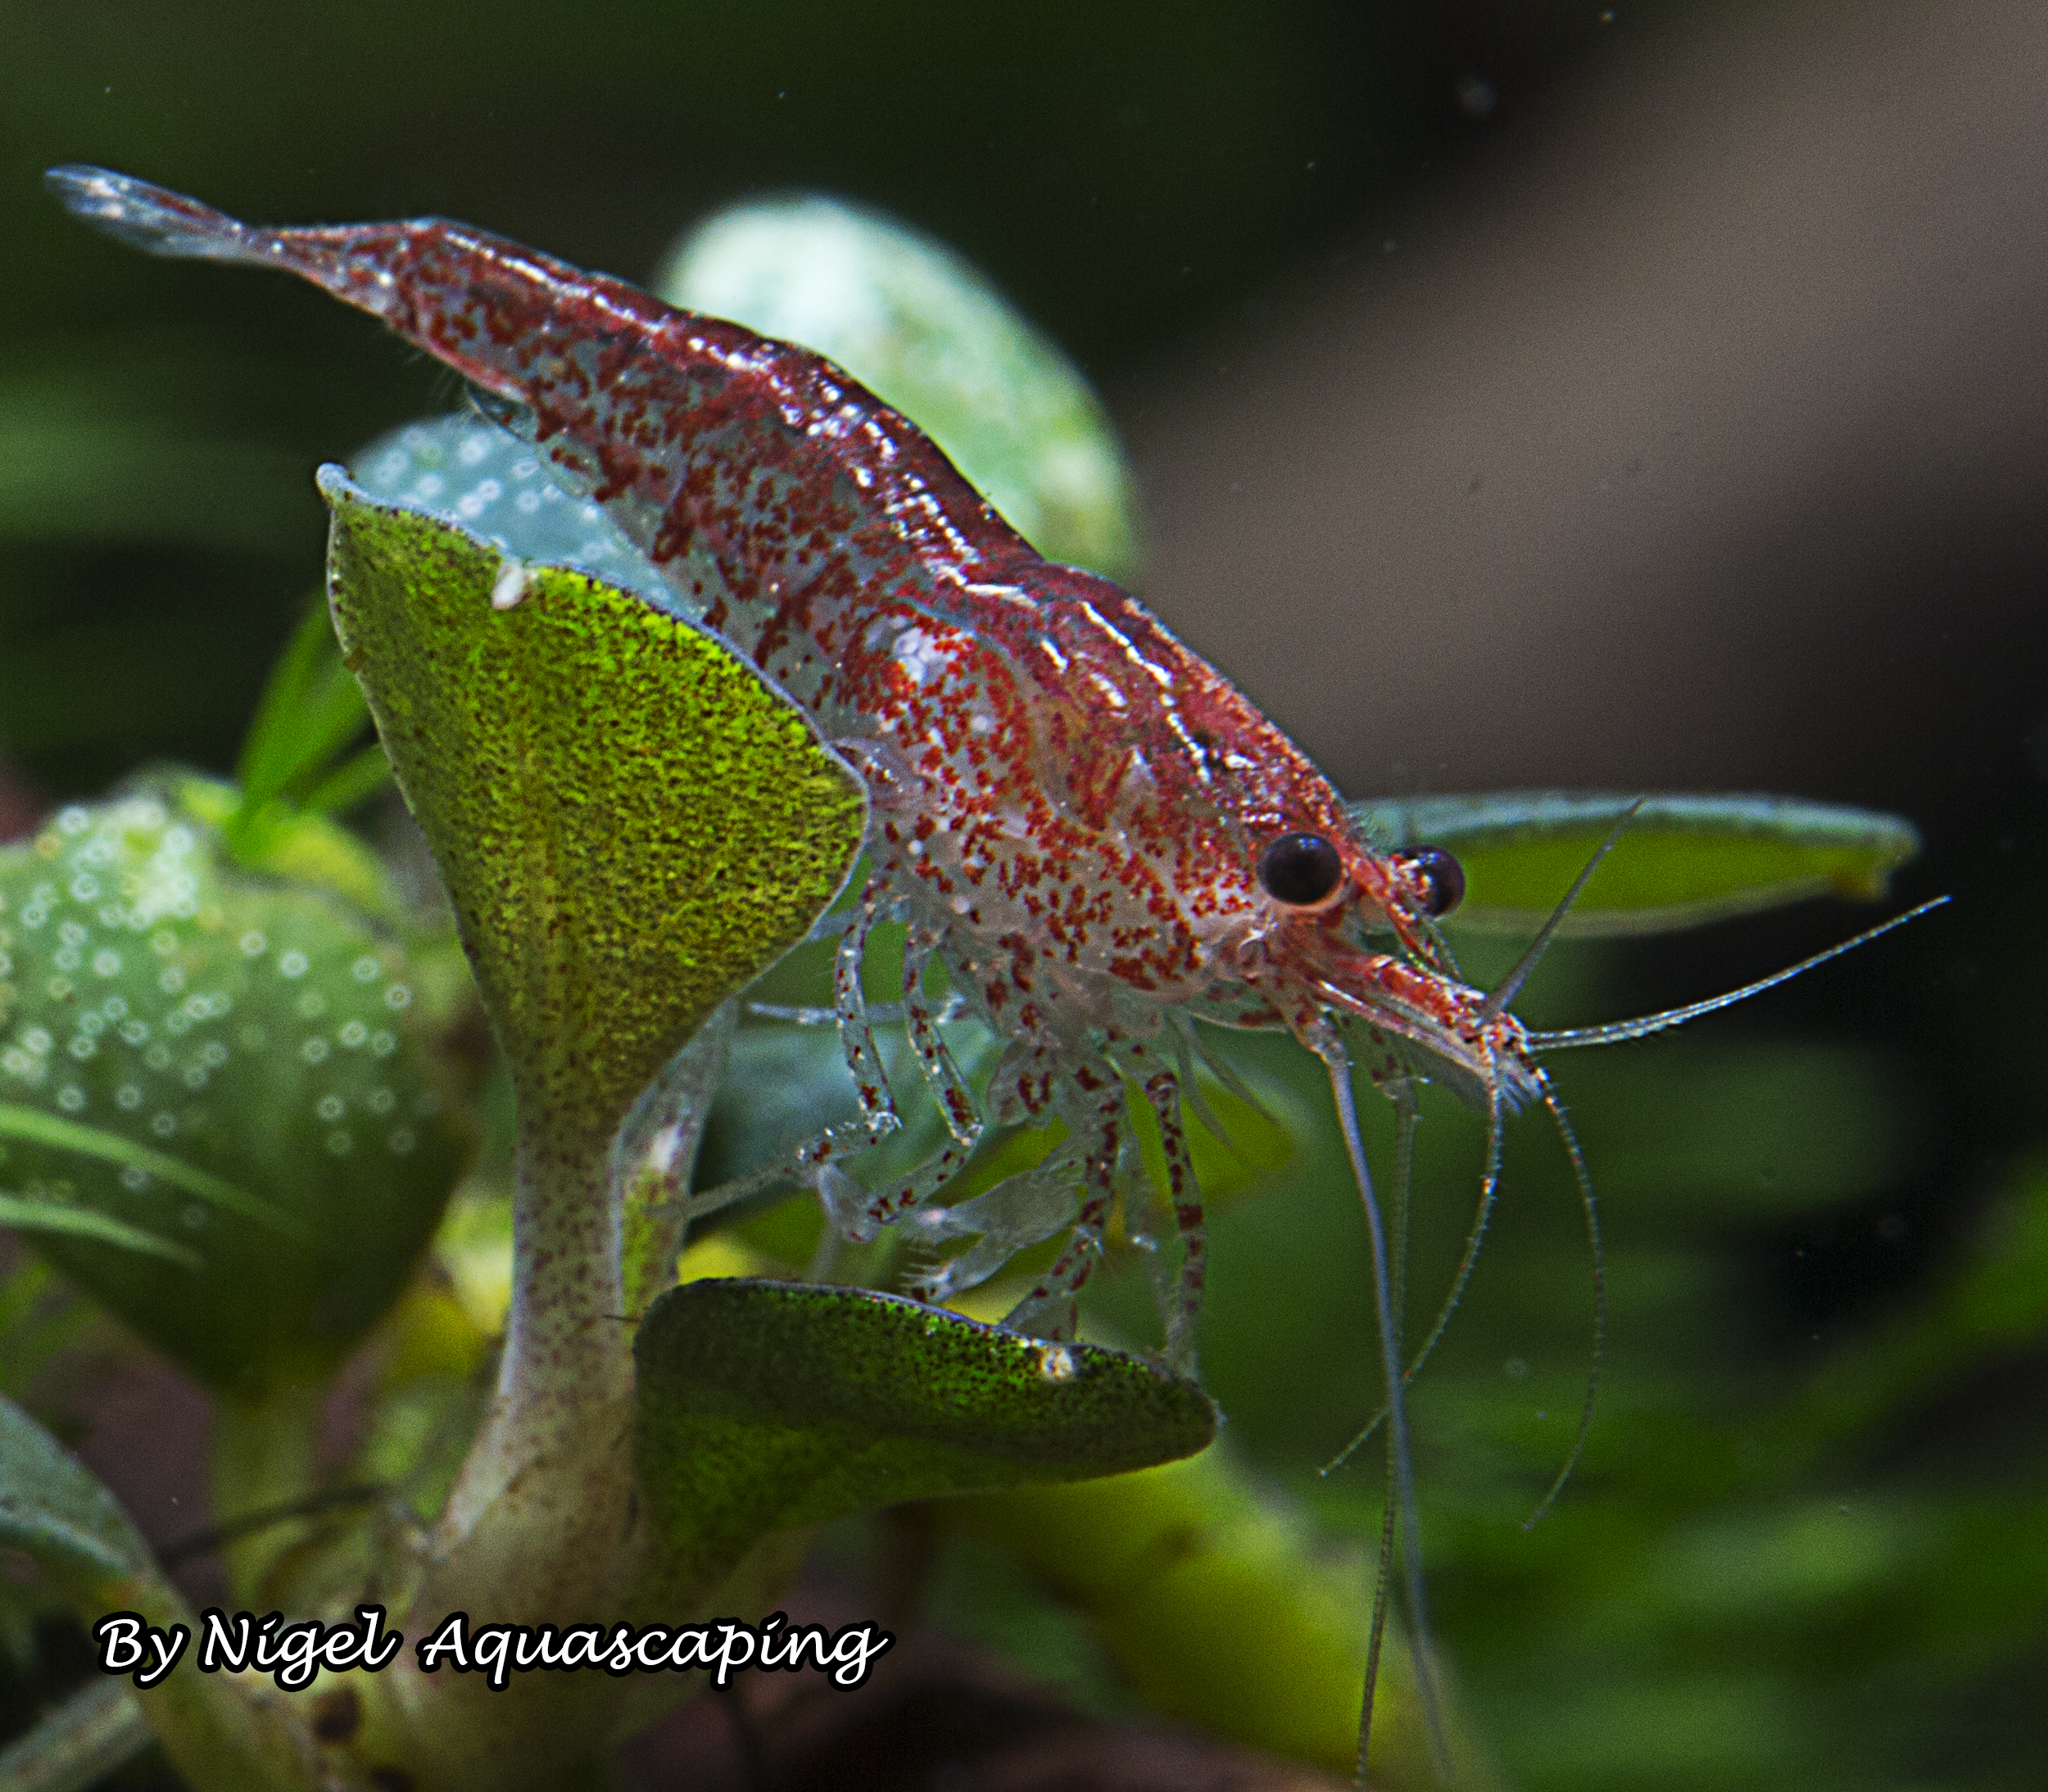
point(1093, 832)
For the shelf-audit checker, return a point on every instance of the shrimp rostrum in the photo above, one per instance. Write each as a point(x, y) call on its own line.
point(1093, 833)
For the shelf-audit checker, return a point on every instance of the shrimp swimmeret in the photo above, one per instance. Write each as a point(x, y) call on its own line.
point(1092, 831)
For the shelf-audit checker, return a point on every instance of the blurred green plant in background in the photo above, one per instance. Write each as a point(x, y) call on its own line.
point(1787, 1557)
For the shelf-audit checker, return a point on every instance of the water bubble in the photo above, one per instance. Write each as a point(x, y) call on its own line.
point(315, 1051)
point(70, 1097)
point(353, 1034)
point(340, 1143)
point(81, 1047)
point(292, 964)
point(366, 968)
point(253, 945)
point(330, 1107)
point(398, 998)
point(127, 1097)
point(135, 1032)
point(71, 933)
point(312, 1005)
point(380, 1101)
point(164, 1126)
point(73, 820)
point(157, 1057)
point(382, 1044)
point(213, 1054)
point(195, 1076)
point(171, 979)
point(37, 1040)
point(134, 1179)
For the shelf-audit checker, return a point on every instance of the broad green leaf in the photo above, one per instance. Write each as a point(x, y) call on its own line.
point(933, 336)
point(1681, 861)
point(631, 823)
point(232, 1062)
point(767, 1405)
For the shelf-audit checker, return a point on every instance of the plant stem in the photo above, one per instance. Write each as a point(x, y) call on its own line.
point(565, 1377)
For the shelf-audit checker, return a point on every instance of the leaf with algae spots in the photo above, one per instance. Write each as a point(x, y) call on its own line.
point(768, 1406)
point(228, 1062)
point(632, 823)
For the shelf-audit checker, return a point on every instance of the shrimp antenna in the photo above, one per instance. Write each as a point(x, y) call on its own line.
point(1592, 1211)
point(1328, 1047)
point(1643, 1025)
point(1510, 986)
point(1474, 1236)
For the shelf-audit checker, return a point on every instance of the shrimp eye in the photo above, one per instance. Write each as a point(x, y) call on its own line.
point(1437, 875)
point(1300, 869)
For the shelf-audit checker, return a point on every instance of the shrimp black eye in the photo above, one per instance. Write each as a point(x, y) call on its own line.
point(1300, 869)
point(1439, 877)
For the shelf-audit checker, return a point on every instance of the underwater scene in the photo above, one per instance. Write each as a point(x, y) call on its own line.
point(1058, 897)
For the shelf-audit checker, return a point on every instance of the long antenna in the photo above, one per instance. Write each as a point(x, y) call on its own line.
point(1330, 1049)
point(1511, 985)
point(1475, 1236)
point(1592, 1211)
point(1641, 1027)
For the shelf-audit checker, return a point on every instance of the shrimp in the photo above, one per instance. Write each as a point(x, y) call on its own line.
point(1093, 832)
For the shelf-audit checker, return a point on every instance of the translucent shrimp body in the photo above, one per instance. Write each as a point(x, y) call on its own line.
point(1069, 805)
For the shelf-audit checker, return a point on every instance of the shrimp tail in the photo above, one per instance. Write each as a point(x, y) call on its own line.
point(155, 220)
point(350, 261)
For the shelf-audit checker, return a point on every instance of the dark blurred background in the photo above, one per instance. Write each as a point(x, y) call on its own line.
point(1522, 393)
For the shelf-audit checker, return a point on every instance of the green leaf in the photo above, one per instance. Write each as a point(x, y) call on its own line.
point(1681, 861)
point(933, 336)
point(767, 1405)
point(23, 1215)
point(236, 1062)
point(309, 710)
point(1224, 1606)
point(630, 821)
point(56, 1509)
point(99, 1728)
point(32, 1126)
point(295, 845)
